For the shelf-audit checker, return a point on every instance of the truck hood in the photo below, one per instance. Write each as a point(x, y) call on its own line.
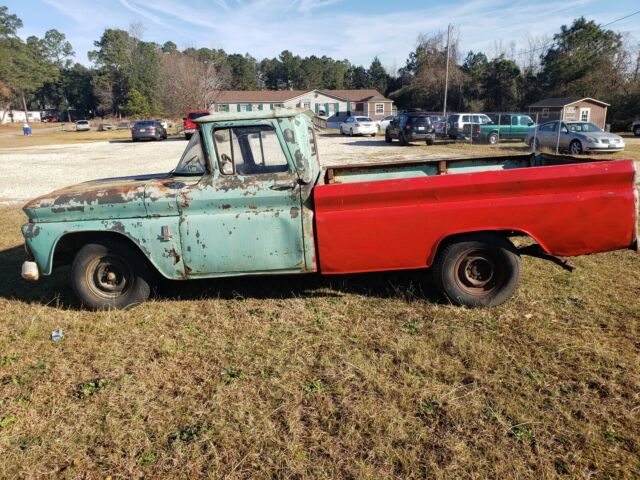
point(109, 198)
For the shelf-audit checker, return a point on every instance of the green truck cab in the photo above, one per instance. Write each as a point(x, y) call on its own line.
point(503, 126)
point(237, 202)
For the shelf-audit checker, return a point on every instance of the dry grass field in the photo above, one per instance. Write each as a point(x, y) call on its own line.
point(58, 134)
point(363, 376)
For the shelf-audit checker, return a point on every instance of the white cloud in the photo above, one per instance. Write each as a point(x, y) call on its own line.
point(264, 28)
point(143, 12)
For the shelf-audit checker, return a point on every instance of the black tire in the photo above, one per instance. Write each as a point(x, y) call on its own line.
point(110, 274)
point(493, 138)
point(534, 144)
point(575, 147)
point(477, 270)
point(430, 141)
point(387, 138)
point(373, 134)
point(636, 131)
point(187, 136)
point(135, 139)
point(402, 139)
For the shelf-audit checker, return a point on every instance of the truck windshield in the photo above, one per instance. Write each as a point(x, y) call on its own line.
point(192, 161)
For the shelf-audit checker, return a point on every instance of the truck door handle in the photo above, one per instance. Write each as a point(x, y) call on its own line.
point(282, 186)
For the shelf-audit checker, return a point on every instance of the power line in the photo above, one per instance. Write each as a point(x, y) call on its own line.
point(622, 18)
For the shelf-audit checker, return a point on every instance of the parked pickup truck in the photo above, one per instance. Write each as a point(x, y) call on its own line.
point(503, 126)
point(248, 197)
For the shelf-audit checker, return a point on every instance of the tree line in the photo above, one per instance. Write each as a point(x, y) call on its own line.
point(132, 77)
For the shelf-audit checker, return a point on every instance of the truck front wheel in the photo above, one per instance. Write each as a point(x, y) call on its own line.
point(479, 270)
point(110, 274)
point(493, 138)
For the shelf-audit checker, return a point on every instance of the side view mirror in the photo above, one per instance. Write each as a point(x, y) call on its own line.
point(530, 124)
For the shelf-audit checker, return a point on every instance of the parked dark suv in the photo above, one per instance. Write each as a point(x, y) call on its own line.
point(151, 129)
point(409, 127)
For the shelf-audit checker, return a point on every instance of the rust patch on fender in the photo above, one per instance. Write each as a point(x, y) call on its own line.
point(294, 212)
point(32, 230)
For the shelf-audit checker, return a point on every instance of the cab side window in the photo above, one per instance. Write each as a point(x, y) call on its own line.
point(251, 150)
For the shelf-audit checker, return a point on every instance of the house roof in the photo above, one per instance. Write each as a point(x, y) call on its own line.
point(268, 96)
point(564, 101)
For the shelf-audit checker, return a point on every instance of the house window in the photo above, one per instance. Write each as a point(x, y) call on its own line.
point(245, 107)
point(379, 108)
point(545, 113)
point(585, 113)
point(222, 107)
point(305, 103)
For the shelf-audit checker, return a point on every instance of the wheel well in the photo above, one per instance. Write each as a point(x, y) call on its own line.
point(67, 247)
point(503, 233)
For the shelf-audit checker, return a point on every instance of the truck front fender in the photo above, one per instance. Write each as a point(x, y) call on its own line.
point(163, 252)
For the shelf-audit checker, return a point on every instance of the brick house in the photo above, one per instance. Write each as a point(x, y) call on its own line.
point(334, 105)
point(570, 108)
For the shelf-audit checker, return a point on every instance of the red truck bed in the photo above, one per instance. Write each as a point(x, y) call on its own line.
point(569, 209)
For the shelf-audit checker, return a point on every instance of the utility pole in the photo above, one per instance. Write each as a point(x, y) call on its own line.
point(446, 72)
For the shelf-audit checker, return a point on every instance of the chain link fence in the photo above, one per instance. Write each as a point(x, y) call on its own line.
point(494, 128)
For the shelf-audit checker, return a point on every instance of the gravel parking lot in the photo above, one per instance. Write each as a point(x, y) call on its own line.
point(28, 172)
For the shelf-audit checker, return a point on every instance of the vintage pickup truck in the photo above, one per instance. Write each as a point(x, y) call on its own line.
point(249, 197)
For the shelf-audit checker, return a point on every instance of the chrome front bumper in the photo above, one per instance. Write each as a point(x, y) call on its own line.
point(30, 271)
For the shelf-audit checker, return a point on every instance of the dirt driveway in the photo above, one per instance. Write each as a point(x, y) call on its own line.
point(28, 172)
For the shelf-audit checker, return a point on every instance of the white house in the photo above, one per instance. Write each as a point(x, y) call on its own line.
point(334, 105)
point(9, 116)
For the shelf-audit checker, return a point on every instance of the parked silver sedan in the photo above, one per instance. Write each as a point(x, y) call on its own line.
point(575, 137)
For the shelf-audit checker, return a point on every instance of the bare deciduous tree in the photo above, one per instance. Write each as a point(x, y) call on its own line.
point(189, 82)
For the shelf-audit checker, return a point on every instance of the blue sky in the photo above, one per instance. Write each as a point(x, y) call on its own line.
point(356, 30)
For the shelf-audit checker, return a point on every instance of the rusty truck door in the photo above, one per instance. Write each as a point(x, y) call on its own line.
point(245, 216)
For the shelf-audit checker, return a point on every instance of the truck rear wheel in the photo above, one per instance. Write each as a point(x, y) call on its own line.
point(477, 270)
point(110, 274)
